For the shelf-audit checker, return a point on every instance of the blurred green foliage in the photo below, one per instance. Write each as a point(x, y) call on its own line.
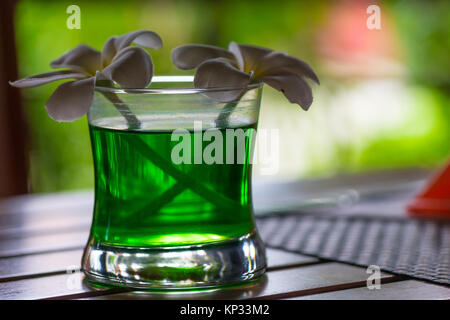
point(425, 33)
point(61, 156)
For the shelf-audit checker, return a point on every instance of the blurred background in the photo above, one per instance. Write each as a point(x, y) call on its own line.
point(383, 102)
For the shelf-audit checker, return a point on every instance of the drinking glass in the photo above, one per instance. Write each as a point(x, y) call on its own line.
point(173, 202)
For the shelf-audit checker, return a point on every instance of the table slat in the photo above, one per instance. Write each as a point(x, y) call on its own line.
point(38, 264)
point(402, 290)
point(41, 244)
point(278, 259)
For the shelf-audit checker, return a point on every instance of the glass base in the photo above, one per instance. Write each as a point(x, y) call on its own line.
point(186, 267)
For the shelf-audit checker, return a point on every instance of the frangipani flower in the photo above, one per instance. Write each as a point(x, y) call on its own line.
point(241, 64)
point(130, 67)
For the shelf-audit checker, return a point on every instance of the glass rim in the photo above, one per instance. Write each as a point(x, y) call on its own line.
point(174, 79)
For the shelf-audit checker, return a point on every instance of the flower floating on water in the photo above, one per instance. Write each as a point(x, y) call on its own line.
point(241, 64)
point(129, 66)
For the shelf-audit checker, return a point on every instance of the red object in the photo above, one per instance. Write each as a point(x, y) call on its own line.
point(434, 199)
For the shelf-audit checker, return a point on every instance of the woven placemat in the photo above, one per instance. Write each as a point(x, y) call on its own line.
point(417, 248)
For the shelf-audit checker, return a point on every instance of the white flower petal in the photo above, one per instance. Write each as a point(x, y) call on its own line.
point(251, 56)
point(71, 100)
point(81, 58)
point(217, 73)
point(144, 38)
point(278, 62)
point(293, 87)
point(132, 67)
point(233, 47)
point(191, 56)
point(108, 51)
point(43, 78)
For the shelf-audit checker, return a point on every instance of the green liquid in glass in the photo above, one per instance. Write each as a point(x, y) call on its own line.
point(141, 205)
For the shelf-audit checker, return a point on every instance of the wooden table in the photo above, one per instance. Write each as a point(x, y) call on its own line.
point(42, 237)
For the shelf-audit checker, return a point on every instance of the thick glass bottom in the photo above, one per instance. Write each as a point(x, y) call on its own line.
point(181, 267)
